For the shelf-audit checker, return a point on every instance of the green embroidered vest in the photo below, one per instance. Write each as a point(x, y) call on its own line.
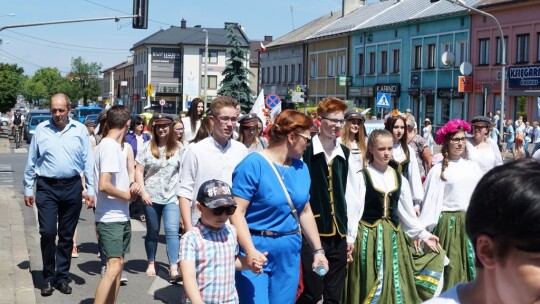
point(379, 205)
point(328, 183)
point(402, 167)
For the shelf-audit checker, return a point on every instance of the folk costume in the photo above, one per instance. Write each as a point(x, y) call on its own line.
point(385, 268)
point(408, 167)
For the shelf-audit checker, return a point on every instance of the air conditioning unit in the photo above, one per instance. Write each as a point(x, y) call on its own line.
point(499, 75)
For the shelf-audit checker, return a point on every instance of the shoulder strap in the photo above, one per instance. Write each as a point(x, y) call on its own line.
point(293, 209)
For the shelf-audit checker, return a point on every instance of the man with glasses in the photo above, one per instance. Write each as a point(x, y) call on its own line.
point(334, 201)
point(214, 157)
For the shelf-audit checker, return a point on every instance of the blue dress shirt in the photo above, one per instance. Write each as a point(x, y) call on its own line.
point(58, 153)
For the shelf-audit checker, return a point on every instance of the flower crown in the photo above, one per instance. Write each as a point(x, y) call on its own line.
point(396, 113)
point(450, 128)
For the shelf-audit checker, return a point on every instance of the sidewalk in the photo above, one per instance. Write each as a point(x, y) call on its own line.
point(16, 285)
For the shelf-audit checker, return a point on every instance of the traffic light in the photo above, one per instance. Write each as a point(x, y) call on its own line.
point(304, 90)
point(140, 8)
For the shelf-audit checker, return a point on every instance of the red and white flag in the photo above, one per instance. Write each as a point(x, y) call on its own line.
point(263, 48)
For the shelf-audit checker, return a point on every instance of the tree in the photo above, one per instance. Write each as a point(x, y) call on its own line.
point(235, 82)
point(34, 90)
point(85, 75)
point(50, 78)
point(11, 77)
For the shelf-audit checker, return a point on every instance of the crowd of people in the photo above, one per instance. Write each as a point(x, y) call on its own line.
point(312, 208)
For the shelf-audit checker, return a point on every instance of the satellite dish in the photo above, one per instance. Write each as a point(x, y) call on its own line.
point(465, 68)
point(448, 58)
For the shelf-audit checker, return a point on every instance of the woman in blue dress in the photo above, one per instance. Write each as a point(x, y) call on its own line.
point(268, 231)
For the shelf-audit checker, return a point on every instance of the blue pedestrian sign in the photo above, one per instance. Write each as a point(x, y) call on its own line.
point(383, 100)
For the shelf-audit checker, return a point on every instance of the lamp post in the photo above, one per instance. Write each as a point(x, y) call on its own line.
point(205, 65)
point(503, 50)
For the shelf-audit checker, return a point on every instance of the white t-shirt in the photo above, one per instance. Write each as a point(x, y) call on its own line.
point(188, 133)
point(448, 297)
point(110, 158)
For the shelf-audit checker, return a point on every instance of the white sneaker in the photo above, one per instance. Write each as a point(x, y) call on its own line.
point(123, 279)
point(103, 270)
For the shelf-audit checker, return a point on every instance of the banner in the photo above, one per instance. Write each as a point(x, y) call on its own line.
point(258, 107)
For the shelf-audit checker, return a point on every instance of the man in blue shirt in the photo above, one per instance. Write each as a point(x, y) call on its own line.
point(58, 155)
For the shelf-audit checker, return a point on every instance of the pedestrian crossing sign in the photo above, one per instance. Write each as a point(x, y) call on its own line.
point(383, 100)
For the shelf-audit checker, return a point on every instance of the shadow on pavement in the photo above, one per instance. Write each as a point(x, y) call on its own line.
point(165, 294)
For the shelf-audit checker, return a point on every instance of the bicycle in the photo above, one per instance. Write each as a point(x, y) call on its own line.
point(17, 136)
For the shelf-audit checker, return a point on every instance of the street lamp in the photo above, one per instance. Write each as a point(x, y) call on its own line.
point(205, 65)
point(503, 49)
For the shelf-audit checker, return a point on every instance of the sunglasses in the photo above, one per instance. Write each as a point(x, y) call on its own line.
point(139, 123)
point(220, 210)
point(306, 137)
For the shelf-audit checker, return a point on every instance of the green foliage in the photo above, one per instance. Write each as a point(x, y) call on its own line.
point(84, 77)
point(235, 82)
point(11, 77)
point(34, 90)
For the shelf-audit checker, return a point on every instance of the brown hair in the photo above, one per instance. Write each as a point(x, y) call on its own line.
point(331, 104)
point(372, 139)
point(171, 144)
point(444, 152)
point(220, 102)
point(193, 114)
point(204, 130)
point(389, 126)
point(287, 122)
point(360, 138)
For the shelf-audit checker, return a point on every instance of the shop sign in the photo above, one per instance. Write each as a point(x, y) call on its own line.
point(366, 91)
point(524, 76)
point(449, 93)
point(393, 88)
point(465, 84)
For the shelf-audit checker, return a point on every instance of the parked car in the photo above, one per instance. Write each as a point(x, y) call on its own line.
point(33, 123)
point(4, 121)
point(82, 112)
point(92, 117)
point(28, 117)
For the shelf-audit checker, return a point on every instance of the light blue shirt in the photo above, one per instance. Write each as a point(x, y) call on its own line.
point(59, 154)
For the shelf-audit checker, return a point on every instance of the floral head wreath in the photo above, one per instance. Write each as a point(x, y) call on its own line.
point(396, 113)
point(451, 128)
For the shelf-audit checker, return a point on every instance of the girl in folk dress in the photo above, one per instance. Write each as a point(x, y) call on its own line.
point(449, 187)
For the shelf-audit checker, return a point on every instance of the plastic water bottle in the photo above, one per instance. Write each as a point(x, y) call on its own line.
point(320, 270)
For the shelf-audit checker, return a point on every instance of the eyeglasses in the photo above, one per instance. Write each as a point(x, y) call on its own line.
point(457, 140)
point(334, 120)
point(225, 119)
point(220, 210)
point(356, 122)
point(478, 127)
point(306, 137)
point(179, 129)
point(161, 127)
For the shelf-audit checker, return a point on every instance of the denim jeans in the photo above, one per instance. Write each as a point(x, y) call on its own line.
point(171, 222)
point(526, 147)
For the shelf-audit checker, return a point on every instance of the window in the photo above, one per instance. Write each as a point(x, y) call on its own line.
point(341, 65)
point(279, 74)
point(313, 68)
point(384, 62)
point(262, 76)
point(286, 76)
point(522, 52)
point(538, 47)
point(331, 66)
point(212, 57)
point(268, 75)
point(372, 63)
point(498, 55)
point(431, 56)
point(461, 55)
point(293, 74)
point(360, 64)
point(483, 51)
point(446, 47)
point(212, 82)
point(418, 57)
point(396, 62)
point(300, 77)
point(274, 79)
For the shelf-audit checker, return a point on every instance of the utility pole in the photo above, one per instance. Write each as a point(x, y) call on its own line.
point(205, 66)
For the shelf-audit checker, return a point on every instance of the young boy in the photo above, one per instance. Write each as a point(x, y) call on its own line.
point(208, 252)
point(502, 223)
point(114, 192)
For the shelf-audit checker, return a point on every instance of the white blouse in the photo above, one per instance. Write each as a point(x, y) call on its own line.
point(487, 157)
point(386, 181)
point(453, 194)
point(413, 172)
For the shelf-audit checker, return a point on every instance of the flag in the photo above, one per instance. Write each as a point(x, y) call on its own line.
point(275, 111)
point(258, 107)
point(263, 48)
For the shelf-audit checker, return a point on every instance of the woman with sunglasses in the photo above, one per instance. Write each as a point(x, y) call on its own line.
point(264, 219)
point(480, 147)
point(354, 137)
point(249, 133)
point(449, 186)
point(157, 171)
point(136, 139)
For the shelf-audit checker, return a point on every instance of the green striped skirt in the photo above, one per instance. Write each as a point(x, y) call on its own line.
point(453, 238)
point(387, 270)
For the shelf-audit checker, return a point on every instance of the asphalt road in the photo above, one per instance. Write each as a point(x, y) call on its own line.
point(85, 270)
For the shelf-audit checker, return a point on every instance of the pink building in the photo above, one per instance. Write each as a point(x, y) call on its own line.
point(520, 21)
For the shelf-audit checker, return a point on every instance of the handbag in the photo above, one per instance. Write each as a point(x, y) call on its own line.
point(293, 209)
point(519, 137)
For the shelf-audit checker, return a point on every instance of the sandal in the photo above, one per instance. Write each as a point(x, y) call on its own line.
point(151, 270)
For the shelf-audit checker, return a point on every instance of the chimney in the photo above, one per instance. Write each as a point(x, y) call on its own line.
point(183, 23)
point(233, 24)
point(351, 5)
point(268, 38)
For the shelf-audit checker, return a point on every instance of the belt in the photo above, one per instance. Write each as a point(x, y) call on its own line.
point(272, 233)
point(54, 180)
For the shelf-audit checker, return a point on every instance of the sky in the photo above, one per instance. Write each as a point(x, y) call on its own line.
point(108, 42)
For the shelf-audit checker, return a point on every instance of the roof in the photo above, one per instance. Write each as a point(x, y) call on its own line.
point(307, 31)
point(192, 36)
point(389, 13)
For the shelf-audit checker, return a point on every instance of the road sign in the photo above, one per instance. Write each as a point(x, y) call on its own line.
point(383, 100)
point(162, 102)
point(272, 100)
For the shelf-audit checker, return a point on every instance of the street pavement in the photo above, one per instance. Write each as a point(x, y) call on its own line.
point(21, 265)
